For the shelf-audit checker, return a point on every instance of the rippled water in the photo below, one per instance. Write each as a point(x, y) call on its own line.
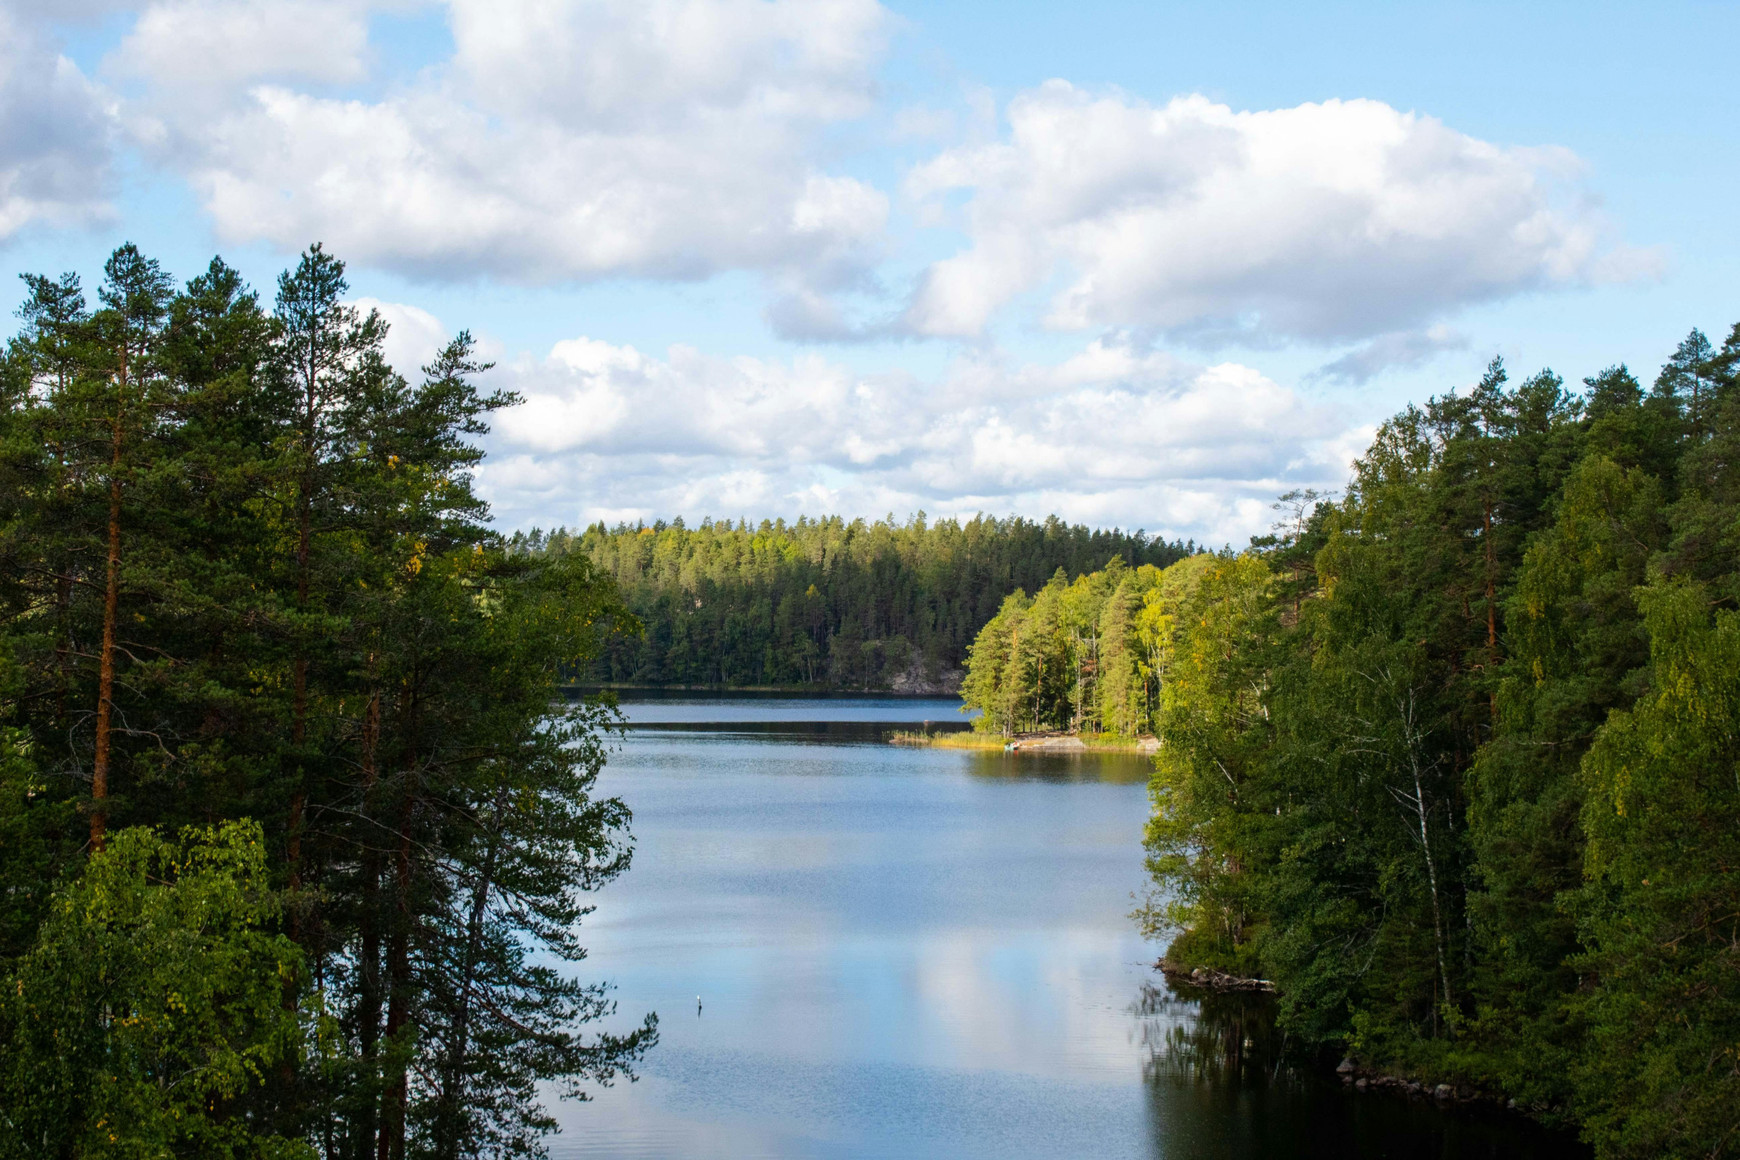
point(923, 952)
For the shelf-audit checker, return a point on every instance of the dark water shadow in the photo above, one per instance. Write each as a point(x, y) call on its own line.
point(1117, 768)
point(1220, 1087)
point(807, 732)
point(992, 764)
point(720, 695)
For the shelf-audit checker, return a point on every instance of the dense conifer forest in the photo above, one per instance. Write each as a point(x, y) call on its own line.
point(294, 839)
point(824, 603)
point(1454, 759)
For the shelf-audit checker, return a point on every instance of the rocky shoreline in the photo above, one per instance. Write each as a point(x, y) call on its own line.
point(1350, 1072)
point(1026, 742)
point(1362, 1079)
point(1211, 980)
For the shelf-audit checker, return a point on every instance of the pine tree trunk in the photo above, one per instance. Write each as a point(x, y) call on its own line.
point(1491, 609)
point(299, 669)
point(395, 1097)
point(369, 999)
point(1491, 587)
point(459, 1047)
point(395, 1100)
point(111, 613)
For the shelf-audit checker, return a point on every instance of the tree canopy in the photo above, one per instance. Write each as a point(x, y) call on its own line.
point(296, 832)
point(824, 603)
point(1088, 656)
point(1451, 759)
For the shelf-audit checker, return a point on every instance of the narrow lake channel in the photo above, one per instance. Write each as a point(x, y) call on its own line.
point(926, 953)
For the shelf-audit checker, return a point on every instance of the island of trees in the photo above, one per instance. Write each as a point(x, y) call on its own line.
point(1084, 657)
point(294, 833)
point(1454, 759)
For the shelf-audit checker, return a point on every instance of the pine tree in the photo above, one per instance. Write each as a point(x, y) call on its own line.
point(126, 333)
point(307, 630)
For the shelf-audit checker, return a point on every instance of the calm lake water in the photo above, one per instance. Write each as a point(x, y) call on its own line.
point(925, 953)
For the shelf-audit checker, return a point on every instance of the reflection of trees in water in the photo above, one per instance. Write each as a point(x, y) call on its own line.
point(1219, 1089)
point(1225, 1041)
point(1116, 768)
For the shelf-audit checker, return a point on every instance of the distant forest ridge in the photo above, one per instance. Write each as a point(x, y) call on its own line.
point(826, 602)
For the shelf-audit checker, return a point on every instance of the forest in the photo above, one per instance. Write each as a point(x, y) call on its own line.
point(1085, 657)
point(1451, 759)
point(295, 830)
point(823, 603)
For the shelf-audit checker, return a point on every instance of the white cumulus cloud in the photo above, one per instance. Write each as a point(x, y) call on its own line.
point(1114, 434)
point(1398, 348)
point(196, 46)
point(560, 142)
point(414, 336)
point(54, 135)
point(1324, 222)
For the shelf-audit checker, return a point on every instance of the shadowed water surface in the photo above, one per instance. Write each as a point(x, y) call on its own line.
point(924, 952)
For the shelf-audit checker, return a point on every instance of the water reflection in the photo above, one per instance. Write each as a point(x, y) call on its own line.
point(1222, 1040)
point(1111, 768)
point(807, 732)
point(1220, 1087)
point(701, 708)
point(916, 952)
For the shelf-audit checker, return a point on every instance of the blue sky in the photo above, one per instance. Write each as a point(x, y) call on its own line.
point(1139, 264)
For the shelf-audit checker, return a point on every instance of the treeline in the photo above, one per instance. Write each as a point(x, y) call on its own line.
point(1455, 759)
point(1084, 656)
point(824, 603)
point(293, 841)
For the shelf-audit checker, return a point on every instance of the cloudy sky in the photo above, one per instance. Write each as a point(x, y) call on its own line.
point(1133, 263)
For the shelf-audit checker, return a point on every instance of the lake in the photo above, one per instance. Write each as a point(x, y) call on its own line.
point(909, 952)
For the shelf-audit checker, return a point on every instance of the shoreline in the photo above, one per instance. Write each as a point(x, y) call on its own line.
point(818, 692)
point(1355, 1074)
point(1208, 979)
point(1027, 742)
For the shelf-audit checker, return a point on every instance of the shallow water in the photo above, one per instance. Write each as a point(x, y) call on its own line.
point(922, 952)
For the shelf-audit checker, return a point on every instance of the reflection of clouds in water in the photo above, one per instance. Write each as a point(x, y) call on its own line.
point(900, 959)
point(771, 854)
point(1044, 1003)
point(766, 1104)
point(892, 952)
point(650, 1118)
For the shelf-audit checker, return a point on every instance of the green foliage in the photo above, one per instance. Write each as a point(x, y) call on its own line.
point(1216, 623)
point(152, 1004)
point(1088, 656)
point(1660, 916)
point(244, 575)
point(826, 603)
point(1452, 760)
